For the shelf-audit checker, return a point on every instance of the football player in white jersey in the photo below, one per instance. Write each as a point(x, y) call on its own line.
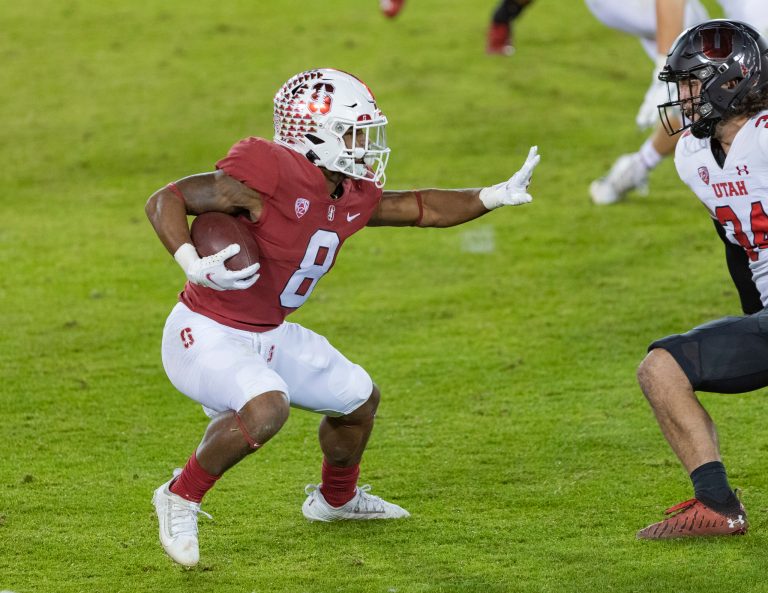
point(657, 23)
point(719, 71)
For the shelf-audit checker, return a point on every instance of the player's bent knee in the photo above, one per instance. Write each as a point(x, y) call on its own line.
point(262, 417)
point(660, 371)
point(646, 371)
point(365, 412)
point(374, 399)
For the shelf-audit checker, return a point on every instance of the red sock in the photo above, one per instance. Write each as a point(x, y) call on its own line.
point(193, 482)
point(339, 483)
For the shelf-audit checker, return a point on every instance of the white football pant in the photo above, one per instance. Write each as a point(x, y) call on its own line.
point(223, 368)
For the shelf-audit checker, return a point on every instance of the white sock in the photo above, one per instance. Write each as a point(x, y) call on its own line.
point(649, 155)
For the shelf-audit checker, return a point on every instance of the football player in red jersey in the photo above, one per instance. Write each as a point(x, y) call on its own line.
point(227, 345)
point(720, 72)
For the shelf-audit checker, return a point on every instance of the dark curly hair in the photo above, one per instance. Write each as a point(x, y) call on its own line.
point(752, 104)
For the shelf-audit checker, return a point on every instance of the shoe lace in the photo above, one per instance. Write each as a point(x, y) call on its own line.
point(368, 503)
point(184, 517)
point(682, 506)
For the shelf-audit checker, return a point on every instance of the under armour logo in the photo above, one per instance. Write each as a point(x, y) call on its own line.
point(738, 521)
point(742, 169)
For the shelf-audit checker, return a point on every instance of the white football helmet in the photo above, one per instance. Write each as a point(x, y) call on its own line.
point(314, 111)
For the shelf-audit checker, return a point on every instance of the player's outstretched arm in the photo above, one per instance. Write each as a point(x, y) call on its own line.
point(449, 207)
point(167, 210)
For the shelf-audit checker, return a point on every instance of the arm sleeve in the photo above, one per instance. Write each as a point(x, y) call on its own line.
point(253, 162)
point(738, 266)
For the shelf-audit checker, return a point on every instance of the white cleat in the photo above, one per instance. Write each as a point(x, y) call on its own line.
point(363, 506)
point(178, 524)
point(628, 173)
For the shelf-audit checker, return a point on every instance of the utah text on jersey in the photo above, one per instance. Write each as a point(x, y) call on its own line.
point(735, 194)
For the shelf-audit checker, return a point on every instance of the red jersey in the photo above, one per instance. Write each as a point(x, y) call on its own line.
point(299, 233)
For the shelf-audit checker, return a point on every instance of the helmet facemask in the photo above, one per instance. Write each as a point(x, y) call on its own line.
point(364, 152)
point(693, 111)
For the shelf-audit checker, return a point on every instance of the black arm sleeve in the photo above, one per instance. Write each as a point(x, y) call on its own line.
point(738, 266)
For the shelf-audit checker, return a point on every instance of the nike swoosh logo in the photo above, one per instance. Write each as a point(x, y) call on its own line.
point(352, 217)
point(212, 281)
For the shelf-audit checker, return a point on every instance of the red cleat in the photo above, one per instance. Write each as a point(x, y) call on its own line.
point(499, 40)
point(693, 518)
point(391, 8)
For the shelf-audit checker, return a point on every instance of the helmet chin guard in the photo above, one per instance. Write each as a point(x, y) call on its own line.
point(331, 117)
point(710, 69)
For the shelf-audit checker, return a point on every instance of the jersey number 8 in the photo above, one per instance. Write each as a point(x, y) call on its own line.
point(318, 259)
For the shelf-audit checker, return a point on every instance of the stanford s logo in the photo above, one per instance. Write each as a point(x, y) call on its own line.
point(186, 337)
point(301, 207)
point(320, 100)
point(704, 174)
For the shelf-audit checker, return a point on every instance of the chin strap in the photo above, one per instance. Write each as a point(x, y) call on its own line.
point(705, 128)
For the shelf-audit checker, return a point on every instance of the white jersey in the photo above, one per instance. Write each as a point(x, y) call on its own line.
point(638, 18)
point(736, 195)
point(752, 12)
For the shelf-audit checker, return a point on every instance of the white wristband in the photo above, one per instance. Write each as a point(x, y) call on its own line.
point(490, 198)
point(185, 256)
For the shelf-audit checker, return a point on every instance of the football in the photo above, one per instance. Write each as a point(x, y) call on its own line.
point(213, 231)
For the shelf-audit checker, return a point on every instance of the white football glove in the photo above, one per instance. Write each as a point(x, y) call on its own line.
point(514, 191)
point(648, 115)
point(210, 271)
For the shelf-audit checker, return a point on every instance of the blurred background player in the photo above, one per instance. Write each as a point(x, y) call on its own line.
point(639, 18)
point(720, 73)
point(391, 8)
point(500, 39)
point(226, 344)
point(656, 23)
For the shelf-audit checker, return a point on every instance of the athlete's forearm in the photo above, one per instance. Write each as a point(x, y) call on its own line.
point(670, 16)
point(167, 213)
point(450, 207)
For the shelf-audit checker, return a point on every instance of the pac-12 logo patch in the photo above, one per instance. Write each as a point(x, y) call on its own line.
point(301, 207)
point(704, 174)
point(331, 213)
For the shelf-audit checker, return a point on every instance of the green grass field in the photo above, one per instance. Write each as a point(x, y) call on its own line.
point(511, 426)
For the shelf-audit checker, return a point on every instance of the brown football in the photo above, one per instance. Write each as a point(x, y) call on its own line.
point(213, 231)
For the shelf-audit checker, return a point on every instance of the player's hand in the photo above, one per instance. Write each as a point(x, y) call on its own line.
point(514, 191)
point(210, 271)
point(648, 115)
